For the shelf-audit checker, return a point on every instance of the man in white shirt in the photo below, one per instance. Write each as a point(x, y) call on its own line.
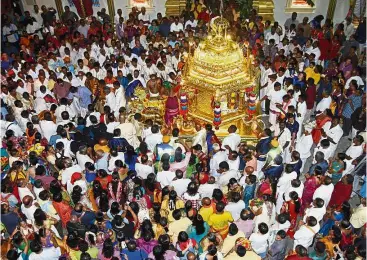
point(9, 31)
point(82, 157)
point(165, 177)
point(306, 232)
point(273, 35)
point(154, 139)
point(233, 140)
point(206, 190)
point(259, 240)
point(225, 174)
point(235, 206)
point(333, 133)
point(283, 185)
point(356, 149)
point(180, 183)
point(317, 210)
point(144, 16)
point(110, 98)
point(348, 28)
point(33, 28)
point(10, 124)
point(192, 22)
point(218, 157)
point(176, 26)
point(48, 127)
point(143, 168)
point(69, 170)
point(303, 146)
point(324, 191)
point(276, 97)
point(324, 103)
point(301, 109)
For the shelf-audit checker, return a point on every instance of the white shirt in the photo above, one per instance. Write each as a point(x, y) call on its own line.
point(226, 176)
point(176, 27)
point(6, 30)
point(81, 183)
point(68, 172)
point(111, 100)
point(193, 24)
point(285, 136)
point(324, 192)
point(165, 178)
point(284, 182)
point(317, 213)
point(354, 151)
point(234, 165)
point(145, 17)
point(48, 128)
point(348, 30)
point(328, 152)
point(217, 158)
point(180, 186)
point(276, 97)
point(233, 140)
point(324, 104)
point(356, 78)
point(274, 36)
point(48, 253)
point(304, 235)
point(120, 99)
point(259, 242)
point(83, 159)
point(235, 208)
point(111, 126)
point(128, 131)
point(152, 140)
point(40, 105)
point(301, 109)
point(15, 127)
point(142, 170)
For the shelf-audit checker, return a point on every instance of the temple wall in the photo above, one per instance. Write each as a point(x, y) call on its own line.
point(321, 7)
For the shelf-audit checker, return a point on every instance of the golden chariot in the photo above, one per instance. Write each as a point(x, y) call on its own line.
point(217, 79)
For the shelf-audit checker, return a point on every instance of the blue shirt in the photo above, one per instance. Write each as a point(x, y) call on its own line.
point(274, 171)
point(348, 110)
point(85, 96)
point(263, 147)
point(293, 128)
point(324, 166)
point(137, 254)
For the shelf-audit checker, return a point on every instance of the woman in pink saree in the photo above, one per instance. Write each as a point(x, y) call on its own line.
point(172, 105)
point(311, 184)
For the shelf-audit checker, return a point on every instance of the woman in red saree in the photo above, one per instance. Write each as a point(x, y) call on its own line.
point(321, 121)
point(311, 184)
point(342, 191)
point(293, 208)
point(335, 47)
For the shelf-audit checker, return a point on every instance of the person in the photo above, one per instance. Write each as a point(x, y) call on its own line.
point(102, 157)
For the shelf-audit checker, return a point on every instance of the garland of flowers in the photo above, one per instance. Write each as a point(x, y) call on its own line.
point(217, 114)
point(184, 104)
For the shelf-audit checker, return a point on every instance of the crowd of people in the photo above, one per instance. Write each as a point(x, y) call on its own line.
point(85, 178)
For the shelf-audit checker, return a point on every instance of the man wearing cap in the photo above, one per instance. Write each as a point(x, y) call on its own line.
point(164, 147)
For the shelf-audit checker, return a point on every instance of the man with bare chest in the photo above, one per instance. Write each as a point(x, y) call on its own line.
point(154, 86)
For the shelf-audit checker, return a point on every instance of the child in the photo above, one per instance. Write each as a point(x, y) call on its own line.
point(249, 191)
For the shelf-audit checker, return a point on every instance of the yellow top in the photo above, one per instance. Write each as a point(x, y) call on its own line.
point(310, 73)
point(220, 221)
point(206, 212)
point(165, 206)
